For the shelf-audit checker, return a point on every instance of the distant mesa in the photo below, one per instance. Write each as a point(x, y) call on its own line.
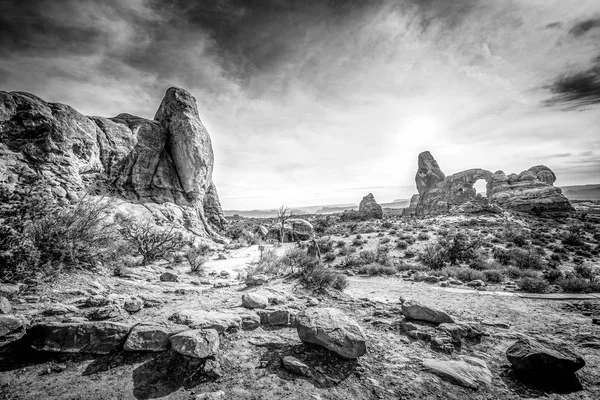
point(160, 168)
point(531, 191)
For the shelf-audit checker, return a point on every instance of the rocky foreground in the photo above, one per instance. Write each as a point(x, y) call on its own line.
point(162, 332)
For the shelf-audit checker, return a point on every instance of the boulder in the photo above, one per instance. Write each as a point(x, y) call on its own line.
point(369, 208)
point(85, 337)
point(201, 319)
point(295, 366)
point(255, 300)
point(469, 372)
point(531, 357)
point(9, 290)
point(151, 336)
point(276, 316)
point(257, 280)
point(413, 310)
point(133, 304)
point(169, 277)
point(333, 330)
point(476, 283)
point(197, 343)
point(5, 307)
point(12, 328)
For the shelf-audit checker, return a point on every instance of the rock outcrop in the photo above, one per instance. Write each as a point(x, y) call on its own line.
point(368, 208)
point(161, 167)
point(531, 191)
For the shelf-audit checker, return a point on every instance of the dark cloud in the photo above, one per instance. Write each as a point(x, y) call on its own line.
point(583, 27)
point(577, 89)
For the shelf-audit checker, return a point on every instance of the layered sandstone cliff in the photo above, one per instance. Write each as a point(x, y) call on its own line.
point(161, 167)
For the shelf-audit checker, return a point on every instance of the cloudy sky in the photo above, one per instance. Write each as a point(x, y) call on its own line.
point(321, 102)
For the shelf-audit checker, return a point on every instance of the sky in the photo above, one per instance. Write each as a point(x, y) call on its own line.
point(322, 102)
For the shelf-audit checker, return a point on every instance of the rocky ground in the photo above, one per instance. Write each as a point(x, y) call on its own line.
point(260, 354)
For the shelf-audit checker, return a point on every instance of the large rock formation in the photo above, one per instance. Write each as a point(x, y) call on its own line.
point(161, 167)
point(530, 191)
point(369, 208)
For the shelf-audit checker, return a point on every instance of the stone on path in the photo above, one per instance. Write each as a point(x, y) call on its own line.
point(334, 330)
point(413, 310)
point(469, 372)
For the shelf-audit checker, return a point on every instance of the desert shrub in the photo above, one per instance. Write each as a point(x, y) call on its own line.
point(526, 259)
point(325, 244)
point(515, 272)
point(433, 256)
point(460, 249)
point(197, 256)
point(376, 269)
point(357, 242)
point(402, 245)
point(341, 243)
point(584, 271)
point(149, 240)
point(269, 263)
point(322, 279)
point(384, 240)
point(344, 251)
point(467, 274)
point(410, 239)
point(422, 236)
point(329, 257)
point(409, 253)
point(553, 275)
point(321, 225)
point(578, 285)
point(39, 238)
point(294, 259)
point(503, 256)
point(387, 224)
point(514, 235)
point(533, 285)
point(493, 275)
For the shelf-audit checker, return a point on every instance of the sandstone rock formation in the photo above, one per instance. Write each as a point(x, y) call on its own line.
point(531, 191)
point(162, 167)
point(369, 208)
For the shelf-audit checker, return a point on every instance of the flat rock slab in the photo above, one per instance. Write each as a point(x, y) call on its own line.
point(334, 330)
point(414, 310)
point(100, 337)
point(255, 300)
point(197, 343)
point(200, 319)
point(469, 372)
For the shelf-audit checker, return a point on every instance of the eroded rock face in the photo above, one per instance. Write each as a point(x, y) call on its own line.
point(167, 161)
point(85, 337)
point(369, 208)
point(530, 191)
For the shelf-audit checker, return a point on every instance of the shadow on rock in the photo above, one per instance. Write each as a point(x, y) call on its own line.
point(327, 369)
point(529, 385)
point(167, 372)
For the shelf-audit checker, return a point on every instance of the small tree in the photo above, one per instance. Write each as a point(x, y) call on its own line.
point(151, 242)
point(283, 214)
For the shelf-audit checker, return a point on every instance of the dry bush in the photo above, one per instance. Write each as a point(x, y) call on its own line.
point(149, 240)
point(197, 256)
point(534, 285)
point(376, 269)
point(40, 238)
